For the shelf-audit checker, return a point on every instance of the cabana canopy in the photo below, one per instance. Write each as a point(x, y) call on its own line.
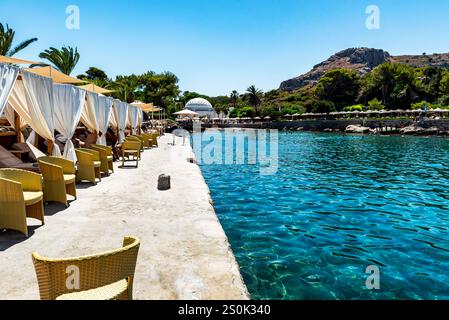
point(4, 59)
point(146, 107)
point(55, 75)
point(91, 87)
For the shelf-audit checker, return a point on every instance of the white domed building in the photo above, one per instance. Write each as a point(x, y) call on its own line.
point(203, 107)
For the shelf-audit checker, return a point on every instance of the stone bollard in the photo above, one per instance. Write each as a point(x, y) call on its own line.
point(164, 182)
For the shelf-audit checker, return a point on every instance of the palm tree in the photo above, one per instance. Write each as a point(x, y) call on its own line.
point(64, 59)
point(254, 96)
point(234, 98)
point(6, 40)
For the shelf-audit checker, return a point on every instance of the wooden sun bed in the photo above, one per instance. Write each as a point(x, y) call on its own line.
point(9, 160)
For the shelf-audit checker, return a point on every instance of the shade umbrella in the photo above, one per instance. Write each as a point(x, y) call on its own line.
point(146, 107)
point(186, 113)
point(4, 59)
point(55, 75)
point(95, 89)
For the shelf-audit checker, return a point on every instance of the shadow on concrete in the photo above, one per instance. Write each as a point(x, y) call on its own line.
point(10, 238)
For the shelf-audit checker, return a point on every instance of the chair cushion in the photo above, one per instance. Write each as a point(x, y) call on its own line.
point(110, 158)
point(32, 197)
point(97, 164)
point(109, 292)
point(69, 178)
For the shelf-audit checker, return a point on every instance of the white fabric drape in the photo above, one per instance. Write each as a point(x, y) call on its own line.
point(89, 114)
point(134, 118)
point(8, 77)
point(103, 109)
point(32, 99)
point(112, 121)
point(10, 116)
point(69, 102)
point(140, 119)
point(121, 116)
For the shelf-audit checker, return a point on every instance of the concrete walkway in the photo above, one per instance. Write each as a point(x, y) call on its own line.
point(184, 251)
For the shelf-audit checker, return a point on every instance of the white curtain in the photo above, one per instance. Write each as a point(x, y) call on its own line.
point(140, 119)
point(10, 116)
point(69, 101)
point(134, 118)
point(103, 108)
point(89, 114)
point(8, 77)
point(121, 116)
point(112, 121)
point(32, 99)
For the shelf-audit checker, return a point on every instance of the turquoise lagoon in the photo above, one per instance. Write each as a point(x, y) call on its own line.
point(338, 204)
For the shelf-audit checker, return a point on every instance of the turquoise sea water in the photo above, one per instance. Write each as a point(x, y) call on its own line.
point(337, 205)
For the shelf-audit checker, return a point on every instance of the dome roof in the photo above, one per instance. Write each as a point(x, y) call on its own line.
point(199, 104)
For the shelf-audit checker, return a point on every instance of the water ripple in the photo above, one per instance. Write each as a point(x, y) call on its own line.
point(338, 204)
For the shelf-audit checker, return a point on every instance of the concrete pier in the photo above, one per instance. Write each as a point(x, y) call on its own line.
point(184, 251)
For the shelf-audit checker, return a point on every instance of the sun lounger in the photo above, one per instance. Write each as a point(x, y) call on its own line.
point(107, 276)
point(21, 196)
point(8, 160)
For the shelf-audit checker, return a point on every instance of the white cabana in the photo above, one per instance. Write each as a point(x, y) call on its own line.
point(8, 77)
point(103, 110)
point(32, 99)
point(69, 101)
point(89, 114)
point(120, 110)
point(134, 117)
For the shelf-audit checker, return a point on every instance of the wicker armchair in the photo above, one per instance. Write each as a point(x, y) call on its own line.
point(136, 139)
point(146, 143)
point(131, 148)
point(106, 158)
point(21, 196)
point(152, 138)
point(88, 165)
point(106, 276)
point(59, 179)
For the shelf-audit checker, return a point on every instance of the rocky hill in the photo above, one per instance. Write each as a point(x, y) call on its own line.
point(363, 60)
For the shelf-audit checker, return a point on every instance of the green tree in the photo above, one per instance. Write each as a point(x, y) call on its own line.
point(234, 98)
point(323, 106)
point(339, 86)
point(395, 84)
point(94, 74)
point(254, 97)
point(428, 82)
point(7, 35)
point(161, 89)
point(125, 88)
point(64, 59)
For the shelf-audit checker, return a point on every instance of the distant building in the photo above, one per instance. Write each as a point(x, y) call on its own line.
point(202, 107)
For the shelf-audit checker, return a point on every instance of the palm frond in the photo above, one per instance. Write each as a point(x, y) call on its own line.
point(21, 46)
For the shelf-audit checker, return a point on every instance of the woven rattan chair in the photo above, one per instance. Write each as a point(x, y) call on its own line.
point(59, 179)
point(152, 137)
point(106, 158)
point(106, 276)
point(146, 143)
point(134, 138)
point(131, 151)
point(88, 165)
point(21, 196)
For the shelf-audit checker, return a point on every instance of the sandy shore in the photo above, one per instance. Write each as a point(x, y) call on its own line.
point(184, 252)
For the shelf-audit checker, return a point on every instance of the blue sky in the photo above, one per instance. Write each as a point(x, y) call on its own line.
point(216, 46)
